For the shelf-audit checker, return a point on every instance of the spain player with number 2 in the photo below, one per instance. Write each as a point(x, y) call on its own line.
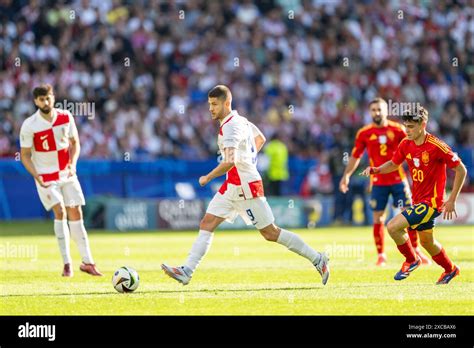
point(49, 151)
point(427, 158)
point(242, 193)
point(381, 139)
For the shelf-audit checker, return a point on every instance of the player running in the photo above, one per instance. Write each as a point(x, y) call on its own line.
point(427, 158)
point(381, 139)
point(49, 151)
point(242, 192)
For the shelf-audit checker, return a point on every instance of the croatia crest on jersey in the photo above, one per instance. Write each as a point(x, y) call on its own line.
point(425, 157)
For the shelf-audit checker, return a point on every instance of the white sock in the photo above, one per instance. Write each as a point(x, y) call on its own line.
point(79, 235)
point(294, 243)
point(62, 235)
point(198, 250)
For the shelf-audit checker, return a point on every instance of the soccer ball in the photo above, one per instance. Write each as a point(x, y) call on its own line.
point(125, 279)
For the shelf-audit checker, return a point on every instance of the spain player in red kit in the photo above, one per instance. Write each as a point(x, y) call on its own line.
point(427, 158)
point(381, 139)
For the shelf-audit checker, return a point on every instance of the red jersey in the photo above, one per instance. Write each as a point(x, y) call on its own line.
point(427, 164)
point(381, 144)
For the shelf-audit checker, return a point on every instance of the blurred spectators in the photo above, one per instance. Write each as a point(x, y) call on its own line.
point(302, 68)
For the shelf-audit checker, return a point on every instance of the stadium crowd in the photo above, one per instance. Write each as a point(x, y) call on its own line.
point(306, 69)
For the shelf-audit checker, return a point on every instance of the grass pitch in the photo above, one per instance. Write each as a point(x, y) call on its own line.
point(242, 275)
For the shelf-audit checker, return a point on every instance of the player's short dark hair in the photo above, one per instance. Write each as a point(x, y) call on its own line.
point(221, 92)
point(42, 90)
point(418, 115)
point(377, 100)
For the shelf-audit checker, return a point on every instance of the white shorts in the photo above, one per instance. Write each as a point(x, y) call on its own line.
point(66, 192)
point(254, 211)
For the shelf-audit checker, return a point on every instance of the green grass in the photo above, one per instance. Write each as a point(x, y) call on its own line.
point(242, 275)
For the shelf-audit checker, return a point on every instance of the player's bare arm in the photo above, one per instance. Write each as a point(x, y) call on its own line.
point(74, 151)
point(350, 168)
point(260, 141)
point(385, 168)
point(30, 167)
point(222, 168)
point(449, 207)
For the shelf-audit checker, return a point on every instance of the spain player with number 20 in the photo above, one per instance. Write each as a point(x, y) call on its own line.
point(427, 158)
point(49, 151)
point(381, 139)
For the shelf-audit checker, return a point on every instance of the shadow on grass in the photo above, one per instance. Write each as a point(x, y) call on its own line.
point(166, 292)
point(318, 287)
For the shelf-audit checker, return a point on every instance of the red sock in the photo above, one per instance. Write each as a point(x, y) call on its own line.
point(379, 237)
point(407, 251)
point(413, 234)
point(443, 260)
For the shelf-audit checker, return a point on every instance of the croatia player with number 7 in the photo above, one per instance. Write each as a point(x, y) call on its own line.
point(427, 158)
point(242, 193)
point(49, 151)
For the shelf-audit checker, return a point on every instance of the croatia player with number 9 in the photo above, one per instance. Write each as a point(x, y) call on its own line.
point(242, 192)
point(49, 151)
point(427, 158)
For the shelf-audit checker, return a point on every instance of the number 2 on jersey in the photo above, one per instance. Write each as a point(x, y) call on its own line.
point(383, 149)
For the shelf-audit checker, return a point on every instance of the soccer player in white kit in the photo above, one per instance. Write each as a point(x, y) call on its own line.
point(242, 192)
point(49, 151)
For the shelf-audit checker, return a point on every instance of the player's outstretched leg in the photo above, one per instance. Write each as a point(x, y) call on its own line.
point(439, 255)
point(199, 249)
point(294, 243)
point(61, 231)
point(79, 235)
point(396, 228)
point(413, 234)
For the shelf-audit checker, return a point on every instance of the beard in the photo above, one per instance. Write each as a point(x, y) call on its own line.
point(45, 110)
point(377, 120)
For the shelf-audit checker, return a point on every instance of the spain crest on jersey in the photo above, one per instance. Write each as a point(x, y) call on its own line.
point(425, 157)
point(416, 162)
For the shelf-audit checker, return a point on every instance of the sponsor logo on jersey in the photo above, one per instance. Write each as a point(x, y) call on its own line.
point(373, 137)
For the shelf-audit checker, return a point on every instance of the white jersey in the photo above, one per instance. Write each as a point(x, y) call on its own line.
point(243, 181)
point(49, 142)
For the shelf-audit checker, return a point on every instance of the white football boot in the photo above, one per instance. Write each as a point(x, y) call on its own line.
point(323, 267)
point(177, 273)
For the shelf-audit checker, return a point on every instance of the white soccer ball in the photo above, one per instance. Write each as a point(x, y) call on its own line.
point(125, 279)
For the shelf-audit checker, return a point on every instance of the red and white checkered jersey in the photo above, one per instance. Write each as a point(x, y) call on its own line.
point(243, 181)
point(49, 142)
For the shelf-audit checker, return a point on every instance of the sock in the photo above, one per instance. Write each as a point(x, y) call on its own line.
point(379, 237)
point(294, 243)
point(443, 260)
point(79, 235)
point(198, 251)
point(413, 234)
point(62, 235)
point(407, 250)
